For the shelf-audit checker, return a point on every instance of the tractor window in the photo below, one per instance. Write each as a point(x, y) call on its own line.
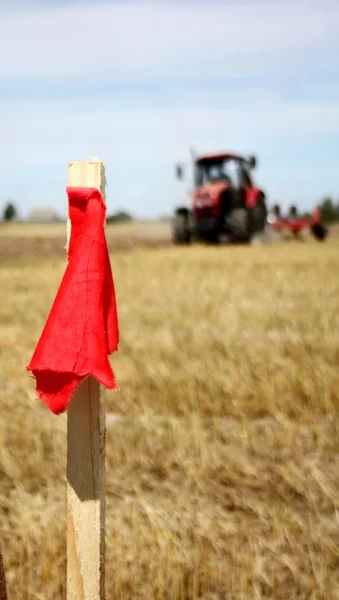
point(231, 171)
point(215, 173)
point(228, 169)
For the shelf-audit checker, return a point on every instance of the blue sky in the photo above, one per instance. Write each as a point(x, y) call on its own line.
point(136, 83)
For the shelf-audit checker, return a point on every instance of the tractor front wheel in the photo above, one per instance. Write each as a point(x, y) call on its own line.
point(181, 230)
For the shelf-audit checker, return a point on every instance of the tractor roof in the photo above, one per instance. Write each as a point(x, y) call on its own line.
point(216, 157)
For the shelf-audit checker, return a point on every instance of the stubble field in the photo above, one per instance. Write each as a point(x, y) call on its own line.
point(222, 445)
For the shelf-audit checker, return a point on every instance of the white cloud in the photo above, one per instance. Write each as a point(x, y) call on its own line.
point(163, 39)
point(47, 133)
point(255, 42)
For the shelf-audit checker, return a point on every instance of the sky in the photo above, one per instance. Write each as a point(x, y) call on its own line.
point(137, 83)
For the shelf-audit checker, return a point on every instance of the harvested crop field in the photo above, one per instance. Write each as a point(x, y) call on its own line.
point(222, 446)
point(19, 240)
point(22, 240)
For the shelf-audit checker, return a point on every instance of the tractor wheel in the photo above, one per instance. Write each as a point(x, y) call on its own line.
point(319, 231)
point(213, 239)
point(238, 225)
point(258, 217)
point(181, 230)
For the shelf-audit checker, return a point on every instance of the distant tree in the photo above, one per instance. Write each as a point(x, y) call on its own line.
point(329, 210)
point(119, 217)
point(9, 212)
point(306, 215)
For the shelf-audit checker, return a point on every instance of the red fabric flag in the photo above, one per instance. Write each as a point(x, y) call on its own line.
point(82, 327)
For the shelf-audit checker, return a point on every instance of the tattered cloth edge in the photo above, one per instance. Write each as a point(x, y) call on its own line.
point(95, 324)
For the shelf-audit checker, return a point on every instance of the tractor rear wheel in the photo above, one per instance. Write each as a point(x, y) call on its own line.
point(237, 223)
point(181, 230)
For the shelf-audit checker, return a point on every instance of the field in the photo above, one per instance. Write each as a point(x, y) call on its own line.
point(20, 239)
point(222, 446)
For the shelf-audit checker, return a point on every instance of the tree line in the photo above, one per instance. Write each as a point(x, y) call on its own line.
point(10, 213)
point(329, 210)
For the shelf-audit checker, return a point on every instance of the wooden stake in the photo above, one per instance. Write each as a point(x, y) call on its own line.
point(86, 457)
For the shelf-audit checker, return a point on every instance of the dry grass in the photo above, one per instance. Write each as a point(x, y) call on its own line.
point(222, 471)
point(142, 229)
point(22, 239)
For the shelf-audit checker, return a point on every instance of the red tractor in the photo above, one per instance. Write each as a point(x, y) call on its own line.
point(225, 201)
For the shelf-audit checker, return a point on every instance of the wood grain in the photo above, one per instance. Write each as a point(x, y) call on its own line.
point(86, 433)
point(3, 589)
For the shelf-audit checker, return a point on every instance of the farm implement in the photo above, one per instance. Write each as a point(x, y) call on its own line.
point(296, 224)
point(225, 202)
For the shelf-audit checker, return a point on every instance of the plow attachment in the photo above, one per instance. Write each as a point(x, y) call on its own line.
point(296, 224)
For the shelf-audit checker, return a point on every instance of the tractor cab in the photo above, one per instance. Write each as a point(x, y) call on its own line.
point(225, 179)
point(228, 168)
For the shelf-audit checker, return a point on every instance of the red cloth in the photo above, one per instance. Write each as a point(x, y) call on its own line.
point(82, 327)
